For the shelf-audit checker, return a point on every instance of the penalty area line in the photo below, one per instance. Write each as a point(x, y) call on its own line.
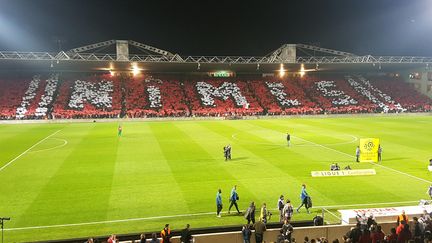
point(182, 216)
point(34, 145)
point(376, 164)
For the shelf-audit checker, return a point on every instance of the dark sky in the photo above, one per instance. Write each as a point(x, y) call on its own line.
point(223, 27)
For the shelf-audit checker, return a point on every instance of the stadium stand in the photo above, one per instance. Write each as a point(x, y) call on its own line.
point(104, 96)
point(45, 103)
point(221, 98)
point(28, 104)
point(384, 102)
point(11, 94)
point(155, 98)
point(96, 97)
point(282, 97)
point(403, 93)
point(334, 96)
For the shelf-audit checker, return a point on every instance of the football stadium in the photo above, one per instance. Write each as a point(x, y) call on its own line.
point(118, 140)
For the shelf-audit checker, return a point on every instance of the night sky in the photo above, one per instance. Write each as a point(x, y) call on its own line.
point(224, 27)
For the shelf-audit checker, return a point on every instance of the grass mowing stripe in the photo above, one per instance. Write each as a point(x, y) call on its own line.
point(370, 185)
point(142, 175)
point(267, 163)
point(84, 175)
point(230, 172)
point(34, 145)
point(143, 186)
point(204, 171)
point(351, 156)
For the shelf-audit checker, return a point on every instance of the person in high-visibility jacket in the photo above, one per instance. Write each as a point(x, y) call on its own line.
point(402, 217)
point(264, 215)
point(166, 234)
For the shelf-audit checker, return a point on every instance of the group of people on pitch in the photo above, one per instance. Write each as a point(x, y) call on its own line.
point(358, 151)
point(335, 166)
point(227, 152)
point(285, 209)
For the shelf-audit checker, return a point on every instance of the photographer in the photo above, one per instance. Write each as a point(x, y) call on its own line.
point(265, 214)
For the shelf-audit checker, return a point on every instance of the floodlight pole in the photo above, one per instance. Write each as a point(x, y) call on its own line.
point(2, 225)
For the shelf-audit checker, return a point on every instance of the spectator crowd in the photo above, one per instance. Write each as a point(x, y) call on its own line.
point(366, 230)
point(102, 96)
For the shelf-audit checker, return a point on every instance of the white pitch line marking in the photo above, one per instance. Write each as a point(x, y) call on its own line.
point(65, 142)
point(183, 215)
point(34, 145)
point(376, 164)
point(354, 139)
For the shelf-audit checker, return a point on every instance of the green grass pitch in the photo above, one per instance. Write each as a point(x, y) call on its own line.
point(83, 180)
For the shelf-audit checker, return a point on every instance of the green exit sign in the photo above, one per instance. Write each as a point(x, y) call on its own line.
point(221, 74)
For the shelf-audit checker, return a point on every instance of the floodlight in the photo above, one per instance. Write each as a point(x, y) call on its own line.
point(281, 70)
point(302, 70)
point(135, 69)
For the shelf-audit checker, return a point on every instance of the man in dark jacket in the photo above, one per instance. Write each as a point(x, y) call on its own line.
point(418, 236)
point(260, 227)
point(280, 208)
point(186, 236)
point(225, 149)
point(355, 233)
point(287, 230)
point(250, 213)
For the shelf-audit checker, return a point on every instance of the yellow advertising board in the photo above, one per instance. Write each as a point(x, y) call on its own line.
point(369, 149)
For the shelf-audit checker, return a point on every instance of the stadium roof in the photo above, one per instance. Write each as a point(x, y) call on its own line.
point(291, 56)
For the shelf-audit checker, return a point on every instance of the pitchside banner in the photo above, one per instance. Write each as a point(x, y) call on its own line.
point(383, 214)
point(369, 149)
point(343, 173)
